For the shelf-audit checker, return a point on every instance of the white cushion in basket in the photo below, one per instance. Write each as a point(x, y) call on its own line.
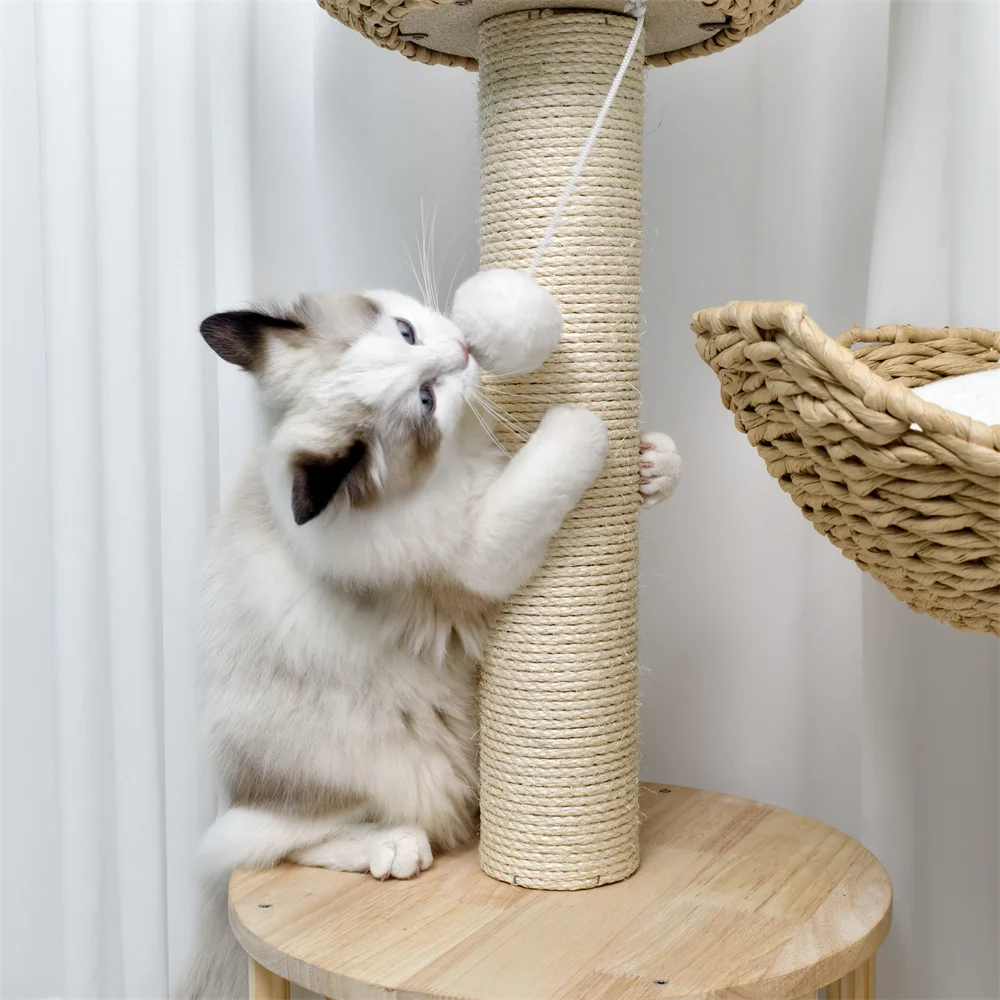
point(975, 395)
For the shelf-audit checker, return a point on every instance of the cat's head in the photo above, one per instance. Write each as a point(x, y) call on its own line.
point(363, 390)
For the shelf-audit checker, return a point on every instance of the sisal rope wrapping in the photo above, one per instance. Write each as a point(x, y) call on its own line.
point(559, 712)
point(919, 509)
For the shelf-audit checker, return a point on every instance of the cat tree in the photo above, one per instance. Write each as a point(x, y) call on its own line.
point(558, 738)
point(734, 898)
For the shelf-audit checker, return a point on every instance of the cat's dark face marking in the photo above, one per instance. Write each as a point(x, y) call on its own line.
point(316, 478)
point(363, 391)
point(241, 337)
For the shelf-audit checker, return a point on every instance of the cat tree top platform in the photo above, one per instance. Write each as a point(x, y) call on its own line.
point(733, 899)
point(447, 33)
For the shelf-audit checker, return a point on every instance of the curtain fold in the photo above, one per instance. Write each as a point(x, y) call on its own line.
point(930, 742)
point(29, 767)
point(161, 160)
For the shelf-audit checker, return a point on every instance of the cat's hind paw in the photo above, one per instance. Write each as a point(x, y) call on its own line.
point(401, 852)
point(659, 467)
point(391, 852)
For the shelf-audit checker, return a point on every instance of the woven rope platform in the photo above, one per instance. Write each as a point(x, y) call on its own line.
point(745, 18)
point(379, 20)
point(559, 713)
point(918, 509)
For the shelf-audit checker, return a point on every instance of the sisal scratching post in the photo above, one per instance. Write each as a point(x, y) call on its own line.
point(559, 743)
point(558, 696)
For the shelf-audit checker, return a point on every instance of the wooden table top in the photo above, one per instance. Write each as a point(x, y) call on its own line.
point(733, 899)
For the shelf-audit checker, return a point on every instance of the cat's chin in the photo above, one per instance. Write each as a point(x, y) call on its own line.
point(471, 378)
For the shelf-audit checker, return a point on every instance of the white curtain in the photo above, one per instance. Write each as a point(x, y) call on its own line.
point(161, 159)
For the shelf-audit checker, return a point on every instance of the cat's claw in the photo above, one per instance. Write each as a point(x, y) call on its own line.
point(401, 852)
point(659, 467)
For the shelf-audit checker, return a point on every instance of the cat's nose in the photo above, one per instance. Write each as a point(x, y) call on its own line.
point(465, 353)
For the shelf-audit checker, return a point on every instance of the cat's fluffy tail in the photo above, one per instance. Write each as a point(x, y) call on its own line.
point(219, 968)
point(239, 838)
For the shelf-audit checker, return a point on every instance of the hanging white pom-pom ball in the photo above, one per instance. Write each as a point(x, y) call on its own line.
point(510, 323)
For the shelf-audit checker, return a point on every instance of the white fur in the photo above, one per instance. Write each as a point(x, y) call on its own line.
point(509, 321)
point(528, 501)
point(257, 838)
point(398, 852)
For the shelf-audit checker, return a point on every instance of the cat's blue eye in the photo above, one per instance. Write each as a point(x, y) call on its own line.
point(427, 399)
point(406, 331)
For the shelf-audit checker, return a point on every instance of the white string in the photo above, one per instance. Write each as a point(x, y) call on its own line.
point(638, 7)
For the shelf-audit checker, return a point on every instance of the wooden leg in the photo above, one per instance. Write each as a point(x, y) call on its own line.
point(869, 968)
point(856, 985)
point(265, 985)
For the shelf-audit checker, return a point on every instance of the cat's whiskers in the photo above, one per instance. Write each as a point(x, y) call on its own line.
point(495, 390)
point(498, 410)
point(454, 278)
point(505, 418)
point(415, 273)
point(489, 430)
point(471, 401)
point(520, 371)
point(426, 253)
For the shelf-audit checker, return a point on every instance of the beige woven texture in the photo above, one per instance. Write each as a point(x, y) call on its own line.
point(746, 17)
point(379, 21)
point(918, 509)
point(559, 714)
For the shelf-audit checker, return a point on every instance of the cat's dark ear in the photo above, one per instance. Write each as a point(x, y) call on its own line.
point(240, 337)
point(316, 479)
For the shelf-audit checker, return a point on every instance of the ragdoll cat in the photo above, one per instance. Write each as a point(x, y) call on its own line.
point(350, 582)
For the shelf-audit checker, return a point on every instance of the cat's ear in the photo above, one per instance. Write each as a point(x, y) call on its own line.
point(317, 478)
point(240, 337)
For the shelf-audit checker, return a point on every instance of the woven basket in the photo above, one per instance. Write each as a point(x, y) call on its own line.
point(918, 509)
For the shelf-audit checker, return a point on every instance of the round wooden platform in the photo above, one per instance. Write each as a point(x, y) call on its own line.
point(733, 899)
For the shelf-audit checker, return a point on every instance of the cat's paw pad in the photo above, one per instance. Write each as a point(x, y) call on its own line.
point(659, 467)
point(401, 852)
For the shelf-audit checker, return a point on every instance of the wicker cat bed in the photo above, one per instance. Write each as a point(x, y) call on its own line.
point(918, 509)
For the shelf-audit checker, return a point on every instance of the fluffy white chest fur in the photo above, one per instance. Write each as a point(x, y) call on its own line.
point(341, 657)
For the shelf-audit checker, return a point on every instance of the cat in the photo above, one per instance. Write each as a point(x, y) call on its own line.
point(349, 588)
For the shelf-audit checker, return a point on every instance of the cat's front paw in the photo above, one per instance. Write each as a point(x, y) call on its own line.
point(578, 439)
point(400, 852)
point(659, 467)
